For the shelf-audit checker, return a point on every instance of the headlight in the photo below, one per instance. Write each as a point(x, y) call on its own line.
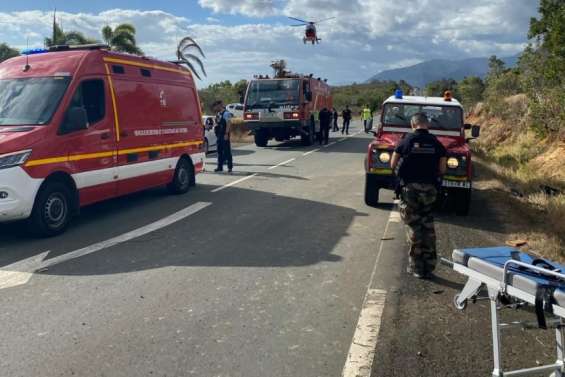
point(452, 163)
point(14, 159)
point(384, 157)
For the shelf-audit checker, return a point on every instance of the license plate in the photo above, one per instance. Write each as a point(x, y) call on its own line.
point(456, 184)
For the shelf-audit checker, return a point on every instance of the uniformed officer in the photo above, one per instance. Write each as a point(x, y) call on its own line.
point(325, 121)
point(419, 161)
point(223, 130)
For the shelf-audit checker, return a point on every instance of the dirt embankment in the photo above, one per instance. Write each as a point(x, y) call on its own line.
point(239, 132)
point(530, 169)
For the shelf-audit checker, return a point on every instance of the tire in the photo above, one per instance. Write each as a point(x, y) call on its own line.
point(462, 202)
point(52, 210)
point(261, 140)
point(371, 191)
point(206, 147)
point(309, 139)
point(183, 178)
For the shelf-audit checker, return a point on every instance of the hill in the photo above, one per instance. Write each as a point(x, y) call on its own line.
point(421, 74)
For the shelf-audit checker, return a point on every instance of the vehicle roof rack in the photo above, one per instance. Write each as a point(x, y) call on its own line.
point(93, 46)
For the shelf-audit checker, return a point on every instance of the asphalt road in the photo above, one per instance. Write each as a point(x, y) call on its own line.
point(266, 277)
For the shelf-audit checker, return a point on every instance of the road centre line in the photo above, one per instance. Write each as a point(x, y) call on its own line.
point(364, 343)
point(282, 163)
point(312, 151)
point(26, 268)
point(330, 144)
point(235, 182)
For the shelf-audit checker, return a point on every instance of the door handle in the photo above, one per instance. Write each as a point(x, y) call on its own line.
point(105, 136)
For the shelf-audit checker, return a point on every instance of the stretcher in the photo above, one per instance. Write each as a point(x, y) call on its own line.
point(513, 279)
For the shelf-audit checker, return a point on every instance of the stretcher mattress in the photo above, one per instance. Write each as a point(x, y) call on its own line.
point(490, 262)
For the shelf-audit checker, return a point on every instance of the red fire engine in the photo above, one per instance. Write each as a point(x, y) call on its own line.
point(284, 107)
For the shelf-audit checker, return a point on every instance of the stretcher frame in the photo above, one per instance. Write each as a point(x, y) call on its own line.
point(502, 289)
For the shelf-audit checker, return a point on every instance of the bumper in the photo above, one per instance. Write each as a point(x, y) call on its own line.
point(384, 178)
point(290, 124)
point(21, 190)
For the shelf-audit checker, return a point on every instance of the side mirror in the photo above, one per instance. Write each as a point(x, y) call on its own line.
point(308, 96)
point(75, 120)
point(468, 126)
point(475, 131)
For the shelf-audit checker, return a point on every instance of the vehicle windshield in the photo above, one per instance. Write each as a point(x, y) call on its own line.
point(440, 117)
point(272, 93)
point(30, 101)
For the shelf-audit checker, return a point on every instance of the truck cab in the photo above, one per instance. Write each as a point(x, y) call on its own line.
point(285, 107)
point(446, 117)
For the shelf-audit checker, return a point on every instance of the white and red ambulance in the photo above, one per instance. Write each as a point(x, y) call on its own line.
point(79, 125)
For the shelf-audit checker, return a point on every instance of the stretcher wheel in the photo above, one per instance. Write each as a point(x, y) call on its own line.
point(459, 306)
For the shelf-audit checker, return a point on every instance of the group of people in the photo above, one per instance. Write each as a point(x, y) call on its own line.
point(330, 117)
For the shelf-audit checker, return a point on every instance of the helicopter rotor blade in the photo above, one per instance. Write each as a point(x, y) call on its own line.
point(299, 20)
point(301, 25)
point(324, 20)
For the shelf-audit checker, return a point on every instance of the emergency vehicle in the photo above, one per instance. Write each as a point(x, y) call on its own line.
point(285, 107)
point(79, 125)
point(446, 118)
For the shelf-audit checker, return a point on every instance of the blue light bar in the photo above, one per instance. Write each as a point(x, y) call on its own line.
point(34, 51)
point(398, 94)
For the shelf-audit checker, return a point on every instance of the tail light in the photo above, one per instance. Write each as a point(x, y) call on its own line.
point(293, 115)
point(251, 116)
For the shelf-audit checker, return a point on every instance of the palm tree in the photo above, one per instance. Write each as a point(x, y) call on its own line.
point(121, 38)
point(68, 38)
point(187, 58)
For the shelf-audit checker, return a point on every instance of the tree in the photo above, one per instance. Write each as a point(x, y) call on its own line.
point(439, 87)
point(70, 38)
point(496, 67)
point(186, 54)
point(6, 52)
point(121, 38)
point(471, 90)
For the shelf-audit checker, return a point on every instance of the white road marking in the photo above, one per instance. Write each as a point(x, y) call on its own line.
point(282, 163)
point(20, 272)
point(330, 144)
point(313, 151)
point(340, 140)
point(235, 182)
point(362, 350)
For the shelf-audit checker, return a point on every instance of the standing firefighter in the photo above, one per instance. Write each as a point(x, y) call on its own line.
point(419, 161)
point(366, 116)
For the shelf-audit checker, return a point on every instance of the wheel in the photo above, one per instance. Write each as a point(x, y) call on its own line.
point(462, 202)
point(183, 178)
point(261, 139)
point(459, 306)
point(206, 147)
point(371, 191)
point(51, 212)
point(310, 138)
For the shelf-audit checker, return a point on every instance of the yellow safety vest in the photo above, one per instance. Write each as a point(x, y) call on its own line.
point(366, 115)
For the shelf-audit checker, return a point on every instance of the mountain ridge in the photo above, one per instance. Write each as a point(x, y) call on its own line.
point(423, 73)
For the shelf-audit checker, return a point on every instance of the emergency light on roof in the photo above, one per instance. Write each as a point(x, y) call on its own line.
point(398, 94)
point(34, 51)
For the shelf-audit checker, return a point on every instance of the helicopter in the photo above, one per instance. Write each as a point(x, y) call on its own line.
point(310, 35)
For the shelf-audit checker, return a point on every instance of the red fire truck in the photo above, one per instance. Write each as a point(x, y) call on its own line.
point(446, 122)
point(79, 125)
point(285, 107)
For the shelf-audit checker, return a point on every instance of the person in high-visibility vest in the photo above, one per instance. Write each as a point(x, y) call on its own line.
point(366, 116)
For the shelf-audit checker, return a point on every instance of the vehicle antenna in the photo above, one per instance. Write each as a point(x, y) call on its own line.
point(27, 67)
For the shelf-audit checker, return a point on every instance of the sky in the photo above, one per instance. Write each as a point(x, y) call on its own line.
point(241, 37)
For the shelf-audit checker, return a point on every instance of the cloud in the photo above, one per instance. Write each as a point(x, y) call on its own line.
point(374, 34)
point(252, 8)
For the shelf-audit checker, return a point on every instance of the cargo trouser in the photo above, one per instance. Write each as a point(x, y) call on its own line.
point(416, 204)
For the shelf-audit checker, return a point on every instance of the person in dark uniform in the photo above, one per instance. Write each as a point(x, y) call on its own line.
point(325, 121)
point(346, 114)
point(419, 161)
point(335, 118)
point(222, 131)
